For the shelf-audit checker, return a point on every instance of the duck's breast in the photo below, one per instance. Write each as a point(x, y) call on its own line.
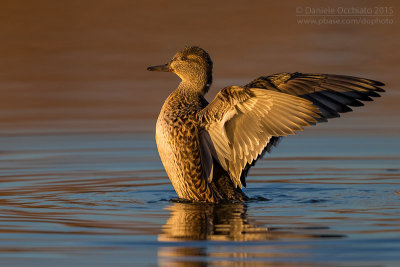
point(178, 146)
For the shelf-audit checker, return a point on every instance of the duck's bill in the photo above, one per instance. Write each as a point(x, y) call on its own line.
point(160, 68)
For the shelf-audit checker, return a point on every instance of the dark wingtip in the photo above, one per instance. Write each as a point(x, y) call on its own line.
point(378, 83)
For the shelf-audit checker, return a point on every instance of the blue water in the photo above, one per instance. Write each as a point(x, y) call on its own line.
point(104, 199)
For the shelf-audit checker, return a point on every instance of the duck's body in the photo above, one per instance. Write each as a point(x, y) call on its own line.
point(178, 141)
point(207, 149)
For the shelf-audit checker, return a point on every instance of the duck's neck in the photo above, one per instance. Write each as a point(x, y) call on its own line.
point(198, 85)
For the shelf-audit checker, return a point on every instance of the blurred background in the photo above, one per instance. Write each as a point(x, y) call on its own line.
point(73, 66)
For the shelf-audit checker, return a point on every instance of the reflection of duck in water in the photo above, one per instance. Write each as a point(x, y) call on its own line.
point(196, 221)
point(207, 149)
point(223, 222)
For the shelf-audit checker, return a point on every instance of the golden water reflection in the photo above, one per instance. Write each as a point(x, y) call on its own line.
point(226, 223)
point(211, 222)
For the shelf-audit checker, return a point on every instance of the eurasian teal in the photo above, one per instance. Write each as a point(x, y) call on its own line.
point(207, 149)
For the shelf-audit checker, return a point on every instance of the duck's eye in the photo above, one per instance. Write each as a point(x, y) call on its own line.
point(183, 58)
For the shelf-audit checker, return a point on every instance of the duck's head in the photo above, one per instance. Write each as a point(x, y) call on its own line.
point(193, 65)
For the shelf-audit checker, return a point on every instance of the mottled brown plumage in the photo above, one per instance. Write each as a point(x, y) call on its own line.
point(207, 149)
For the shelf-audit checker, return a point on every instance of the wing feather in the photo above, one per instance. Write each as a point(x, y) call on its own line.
point(241, 122)
point(331, 93)
point(245, 122)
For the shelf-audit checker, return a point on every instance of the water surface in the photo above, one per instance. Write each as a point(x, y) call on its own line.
point(104, 198)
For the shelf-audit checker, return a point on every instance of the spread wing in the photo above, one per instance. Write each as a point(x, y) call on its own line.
point(240, 123)
point(332, 94)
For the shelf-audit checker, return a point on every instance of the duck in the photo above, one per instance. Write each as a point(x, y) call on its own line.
point(207, 149)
